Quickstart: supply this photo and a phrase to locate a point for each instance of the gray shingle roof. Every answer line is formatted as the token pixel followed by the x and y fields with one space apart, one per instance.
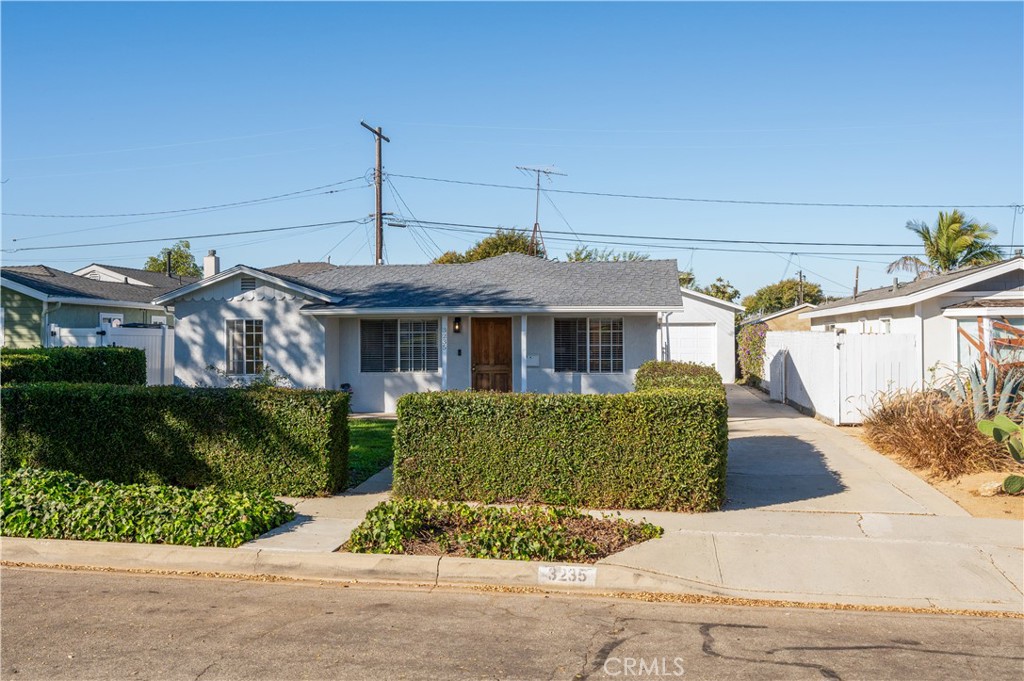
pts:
pixel 909 288
pixel 299 269
pixel 53 282
pixel 510 280
pixel 158 280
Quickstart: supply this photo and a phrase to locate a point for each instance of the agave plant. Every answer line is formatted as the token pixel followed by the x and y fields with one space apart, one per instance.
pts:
pixel 997 392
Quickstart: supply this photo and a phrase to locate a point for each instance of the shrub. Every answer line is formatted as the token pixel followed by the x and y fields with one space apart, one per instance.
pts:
pixel 653 375
pixel 438 528
pixel 929 430
pixel 59 505
pixel 750 341
pixel 659 449
pixel 125 366
pixel 290 442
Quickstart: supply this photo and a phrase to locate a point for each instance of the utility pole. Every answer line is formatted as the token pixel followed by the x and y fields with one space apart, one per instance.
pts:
pixel 378 179
pixel 800 290
pixel 537 239
pixel 856 281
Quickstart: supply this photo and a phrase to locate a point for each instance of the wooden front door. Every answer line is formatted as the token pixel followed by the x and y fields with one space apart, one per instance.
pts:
pixel 492 354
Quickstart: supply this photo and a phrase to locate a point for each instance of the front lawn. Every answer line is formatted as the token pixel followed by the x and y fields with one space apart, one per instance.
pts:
pixel 370 448
pixel 437 528
pixel 43 504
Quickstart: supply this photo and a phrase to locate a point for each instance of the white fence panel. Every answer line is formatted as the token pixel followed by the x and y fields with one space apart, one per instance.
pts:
pixel 837 376
pixel 874 364
pixel 157 343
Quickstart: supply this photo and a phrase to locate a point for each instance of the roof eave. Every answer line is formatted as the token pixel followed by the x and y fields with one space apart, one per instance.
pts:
pixel 244 269
pixel 924 294
pixel 484 309
pixel 710 299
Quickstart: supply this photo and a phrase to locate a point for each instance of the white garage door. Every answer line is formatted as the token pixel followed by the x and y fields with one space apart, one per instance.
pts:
pixel 693 343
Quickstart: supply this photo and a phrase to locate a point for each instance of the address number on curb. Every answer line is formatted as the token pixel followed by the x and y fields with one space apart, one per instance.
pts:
pixel 567 575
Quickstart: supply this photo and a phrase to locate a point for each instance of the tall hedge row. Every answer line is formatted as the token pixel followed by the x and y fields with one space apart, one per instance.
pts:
pixel 654 374
pixel 287 442
pixel 125 366
pixel 658 449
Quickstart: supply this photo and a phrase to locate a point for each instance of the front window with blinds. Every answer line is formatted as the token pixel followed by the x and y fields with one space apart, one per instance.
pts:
pixel 245 346
pixel 398 345
pixel 589 345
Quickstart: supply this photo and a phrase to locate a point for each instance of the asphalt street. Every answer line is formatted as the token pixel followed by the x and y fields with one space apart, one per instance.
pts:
pixel 95 625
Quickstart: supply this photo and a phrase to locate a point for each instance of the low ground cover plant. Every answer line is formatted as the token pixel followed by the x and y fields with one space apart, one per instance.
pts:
pixel 371 448
pixel 286 442
pixel 125 366
pixel 657 449
pixel 654 374
pixel 435 528
pixel 45 504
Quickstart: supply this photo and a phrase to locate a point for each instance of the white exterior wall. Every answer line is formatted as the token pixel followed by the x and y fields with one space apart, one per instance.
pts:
pixel 379 391
pixel 700 311
pixel 293 344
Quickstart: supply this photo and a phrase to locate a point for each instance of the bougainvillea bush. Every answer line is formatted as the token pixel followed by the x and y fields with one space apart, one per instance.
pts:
pixel 751 350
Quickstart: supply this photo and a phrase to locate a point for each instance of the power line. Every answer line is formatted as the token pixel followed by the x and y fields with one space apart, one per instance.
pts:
pixel 616 240
pixel 744 202
pixel 179 238
pixel 173 217
pixel 848 244
pixel 185 210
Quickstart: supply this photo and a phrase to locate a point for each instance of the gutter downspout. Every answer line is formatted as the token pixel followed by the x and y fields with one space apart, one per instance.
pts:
pixel 44 338
pixel 665 337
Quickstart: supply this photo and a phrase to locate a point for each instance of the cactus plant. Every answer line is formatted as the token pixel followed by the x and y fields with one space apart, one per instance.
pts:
pixel 1002 429
pixel 1014 484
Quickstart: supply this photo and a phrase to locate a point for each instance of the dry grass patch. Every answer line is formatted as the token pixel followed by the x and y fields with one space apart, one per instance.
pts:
pixel 929 430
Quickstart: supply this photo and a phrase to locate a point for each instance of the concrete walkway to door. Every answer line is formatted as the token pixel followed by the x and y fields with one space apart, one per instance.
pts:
pixel 813 514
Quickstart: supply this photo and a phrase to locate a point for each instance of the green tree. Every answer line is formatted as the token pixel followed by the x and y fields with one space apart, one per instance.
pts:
pixel 589 254
pixel 779 296
pixel 720 288
pixel 501 242
pixel 183 263
pixel 956 241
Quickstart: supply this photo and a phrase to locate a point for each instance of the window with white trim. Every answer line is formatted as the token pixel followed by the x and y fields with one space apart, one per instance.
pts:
pixel 589 345
pixel 245 346
pixel 388 345
pixel 111 319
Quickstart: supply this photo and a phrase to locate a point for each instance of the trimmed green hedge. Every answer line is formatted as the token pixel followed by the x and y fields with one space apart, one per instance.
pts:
pixel 60 505
pixel 659 449
pixel 124 366
pixel 287 442
pixel 653 375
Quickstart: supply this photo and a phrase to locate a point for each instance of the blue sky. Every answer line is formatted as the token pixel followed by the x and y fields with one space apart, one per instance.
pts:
pixel 139 107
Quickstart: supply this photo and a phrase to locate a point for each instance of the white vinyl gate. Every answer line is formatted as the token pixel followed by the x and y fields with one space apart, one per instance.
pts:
pixel 838 375
pixel 158 344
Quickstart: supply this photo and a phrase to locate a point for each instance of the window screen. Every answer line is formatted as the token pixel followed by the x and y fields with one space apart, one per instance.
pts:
pixel 605 346
pixel 245 346
pixel 378 345
pixel 571 344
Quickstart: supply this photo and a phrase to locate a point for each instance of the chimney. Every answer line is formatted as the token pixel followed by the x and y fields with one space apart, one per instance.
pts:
pixel 895 283
pixel 211 264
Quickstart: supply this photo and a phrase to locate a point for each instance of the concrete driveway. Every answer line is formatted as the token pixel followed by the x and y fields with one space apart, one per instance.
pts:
pixel 813 514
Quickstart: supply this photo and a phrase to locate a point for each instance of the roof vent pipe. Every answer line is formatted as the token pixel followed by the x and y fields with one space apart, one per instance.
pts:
pixel 895 283
pixel 211 264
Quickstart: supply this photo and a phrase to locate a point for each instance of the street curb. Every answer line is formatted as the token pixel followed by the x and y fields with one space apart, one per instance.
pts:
pixel 443 571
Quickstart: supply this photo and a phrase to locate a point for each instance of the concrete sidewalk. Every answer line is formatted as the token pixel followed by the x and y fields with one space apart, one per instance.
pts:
pixel 812 515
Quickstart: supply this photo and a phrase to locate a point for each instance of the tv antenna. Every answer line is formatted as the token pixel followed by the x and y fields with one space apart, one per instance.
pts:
pixel 537 239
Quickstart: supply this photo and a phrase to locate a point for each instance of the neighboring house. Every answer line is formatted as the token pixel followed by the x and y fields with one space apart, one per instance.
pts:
pixel 509 323
pixel 704 332
pixel 36 297
pixel 938 312
pixel 789 319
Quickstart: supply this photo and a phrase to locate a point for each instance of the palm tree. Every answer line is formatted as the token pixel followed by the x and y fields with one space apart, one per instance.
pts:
pixel 956 241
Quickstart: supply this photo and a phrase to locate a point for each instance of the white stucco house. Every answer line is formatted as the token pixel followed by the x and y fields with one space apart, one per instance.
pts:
pixel 509 323
pixel 703 332
pixel 939 312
